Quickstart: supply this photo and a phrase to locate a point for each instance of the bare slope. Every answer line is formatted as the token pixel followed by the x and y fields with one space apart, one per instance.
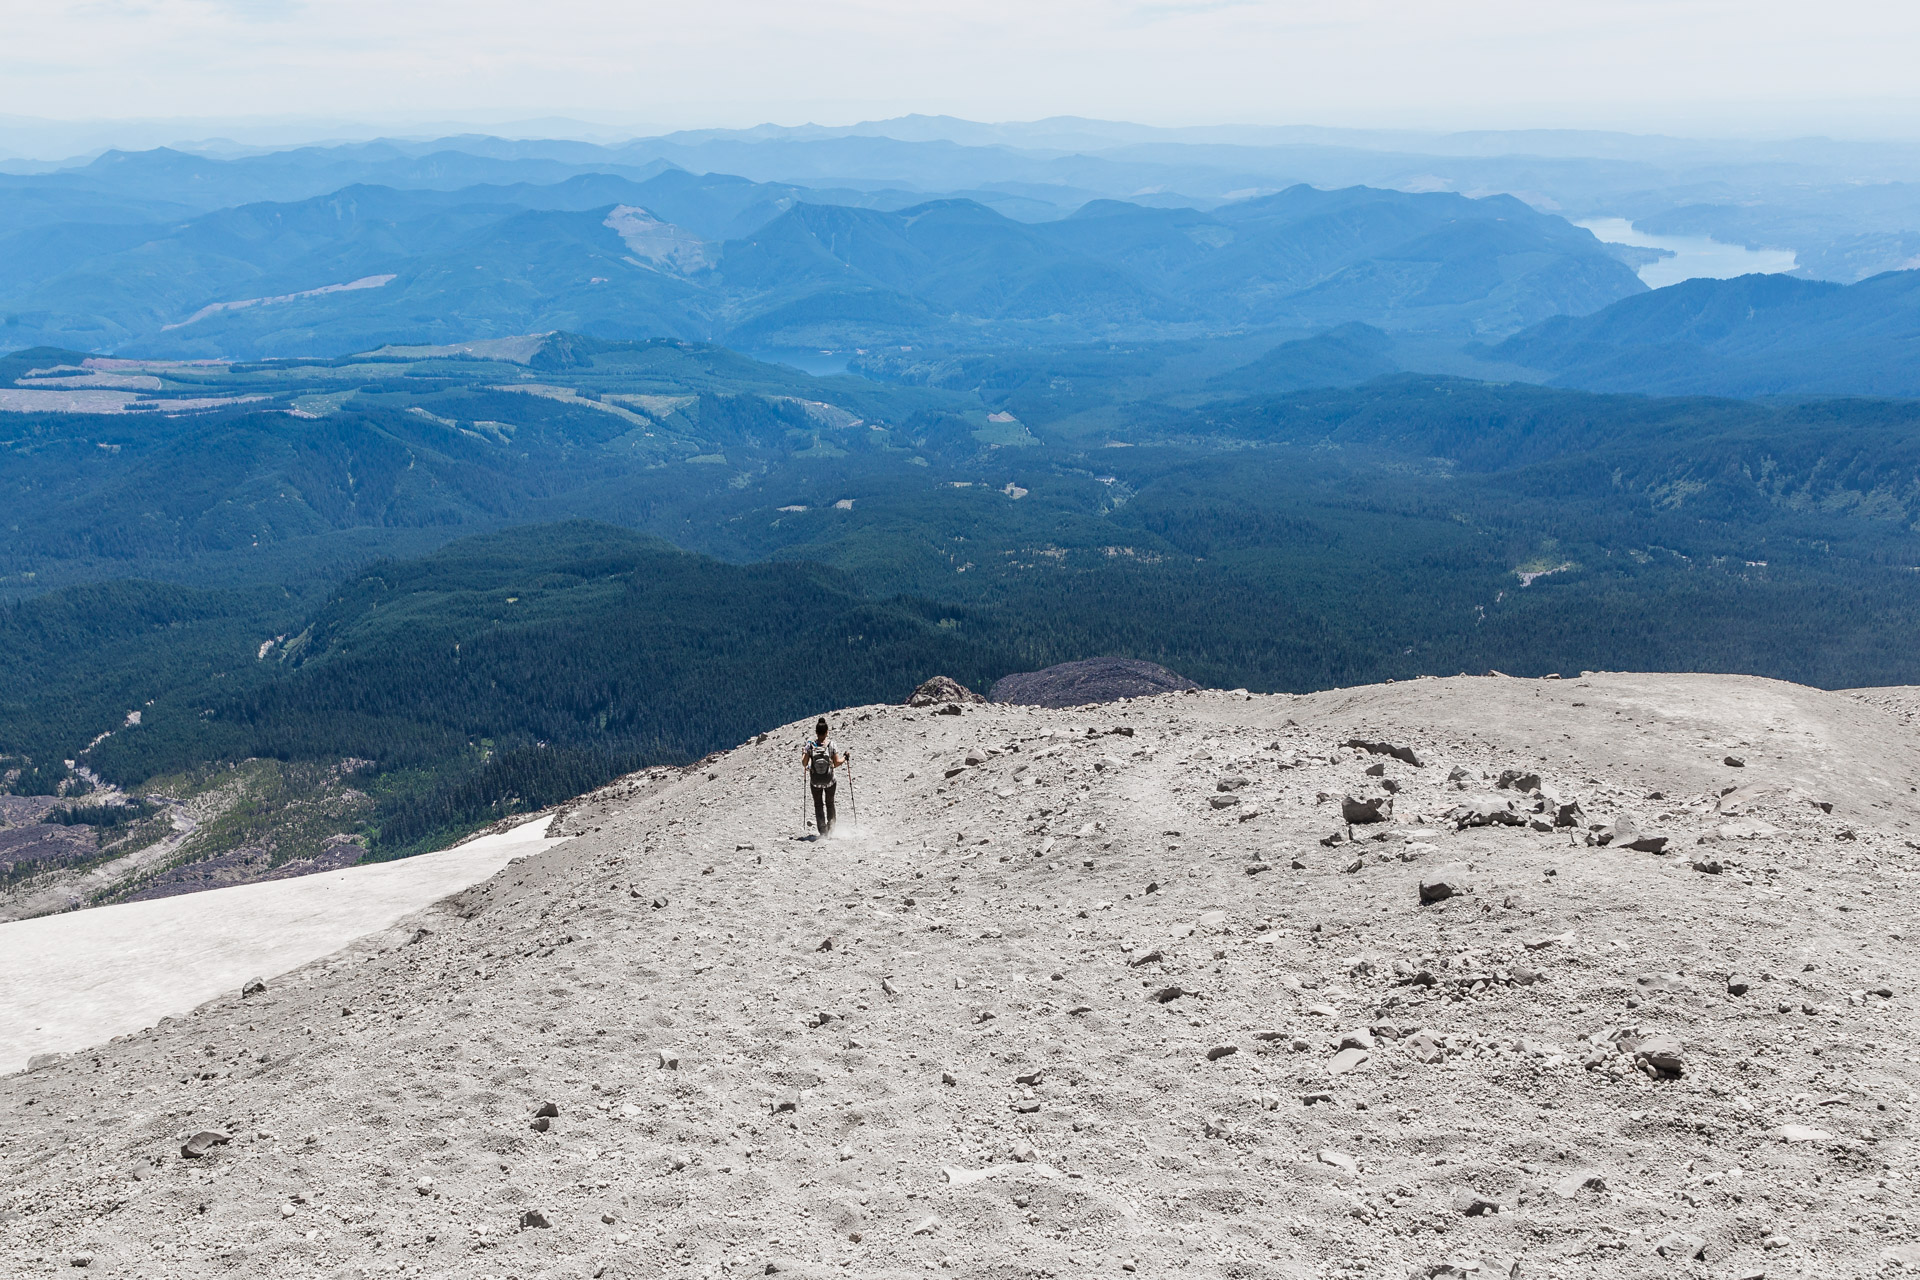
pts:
pixel 986 1028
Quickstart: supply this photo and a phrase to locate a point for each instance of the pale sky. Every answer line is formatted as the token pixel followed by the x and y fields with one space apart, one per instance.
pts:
pixel 1765 67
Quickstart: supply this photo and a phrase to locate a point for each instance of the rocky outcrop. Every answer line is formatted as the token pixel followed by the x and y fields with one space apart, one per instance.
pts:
pixel 942 690
pixel 1091 680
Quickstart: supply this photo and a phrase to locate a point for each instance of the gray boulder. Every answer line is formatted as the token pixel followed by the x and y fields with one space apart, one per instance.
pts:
pixel 1362 809
pixel 1375 746
pixel 1485 811
pixel 203 1142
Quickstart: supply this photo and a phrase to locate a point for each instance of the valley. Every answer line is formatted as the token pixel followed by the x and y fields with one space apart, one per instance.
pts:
pixel 465 583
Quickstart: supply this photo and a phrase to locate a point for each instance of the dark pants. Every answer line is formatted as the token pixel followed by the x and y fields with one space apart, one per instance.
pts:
pixel 823 809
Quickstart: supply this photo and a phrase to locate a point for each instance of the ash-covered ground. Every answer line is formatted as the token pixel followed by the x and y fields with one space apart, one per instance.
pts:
pixel 1113 991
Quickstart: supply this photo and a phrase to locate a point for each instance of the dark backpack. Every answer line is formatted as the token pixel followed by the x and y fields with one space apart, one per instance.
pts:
pixel 820 763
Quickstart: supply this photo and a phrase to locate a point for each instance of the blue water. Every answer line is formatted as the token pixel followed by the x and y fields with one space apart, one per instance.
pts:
pixel 816 362
pixel 1693 257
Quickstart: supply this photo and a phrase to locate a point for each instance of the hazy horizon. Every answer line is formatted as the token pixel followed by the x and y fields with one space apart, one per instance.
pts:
pixel 50 140
pixel 1695 68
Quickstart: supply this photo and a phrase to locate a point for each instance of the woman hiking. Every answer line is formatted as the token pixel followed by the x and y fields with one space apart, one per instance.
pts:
pixel 819 759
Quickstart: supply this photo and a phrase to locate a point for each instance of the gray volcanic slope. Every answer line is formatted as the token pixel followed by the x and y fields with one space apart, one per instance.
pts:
pixel 1079 1010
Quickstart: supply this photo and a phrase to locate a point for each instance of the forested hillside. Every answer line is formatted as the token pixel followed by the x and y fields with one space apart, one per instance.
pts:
pixel 514 670
pixel 1751 336
pixel 864 536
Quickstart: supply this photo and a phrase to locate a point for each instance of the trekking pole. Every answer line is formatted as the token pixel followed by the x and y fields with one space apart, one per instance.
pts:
pixel 806 819
pixel 853 810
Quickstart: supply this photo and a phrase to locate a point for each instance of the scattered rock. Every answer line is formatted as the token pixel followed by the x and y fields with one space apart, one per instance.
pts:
pixel 1348 1060
pixel 1357 810
pixel 1220 1051
pixel 1574 1183
pixel 1440 886
pixel 1663 1054
pixel 967 1177
pixel 1223 802
pixel 1621 834
pixel 1425 1048
pixel 1516 780
pixel 1801 1133
pixel 1471 1204
pixel 1739 985
pixel 1734 762
pixel 1340 1160
pixel 1742 829
pixel 1381 748
pixel 1485 811
pixel 534 1218
pixel 254 987
pixel 203 1142
pixel 1905 1256
pixel 1679 1246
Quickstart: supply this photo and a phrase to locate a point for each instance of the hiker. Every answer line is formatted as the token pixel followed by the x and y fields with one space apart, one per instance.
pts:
pixel 819 759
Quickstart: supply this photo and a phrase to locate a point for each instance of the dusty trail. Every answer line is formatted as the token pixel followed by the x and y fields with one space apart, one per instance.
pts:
pixel 934 1043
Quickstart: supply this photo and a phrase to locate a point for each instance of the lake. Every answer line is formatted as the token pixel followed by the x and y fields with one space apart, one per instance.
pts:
pixel 1693 256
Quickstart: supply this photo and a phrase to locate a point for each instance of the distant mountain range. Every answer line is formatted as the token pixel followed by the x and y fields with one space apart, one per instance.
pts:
pixel 765 264
pixel 1848 209
pixel 915 248
pixel 1752 336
